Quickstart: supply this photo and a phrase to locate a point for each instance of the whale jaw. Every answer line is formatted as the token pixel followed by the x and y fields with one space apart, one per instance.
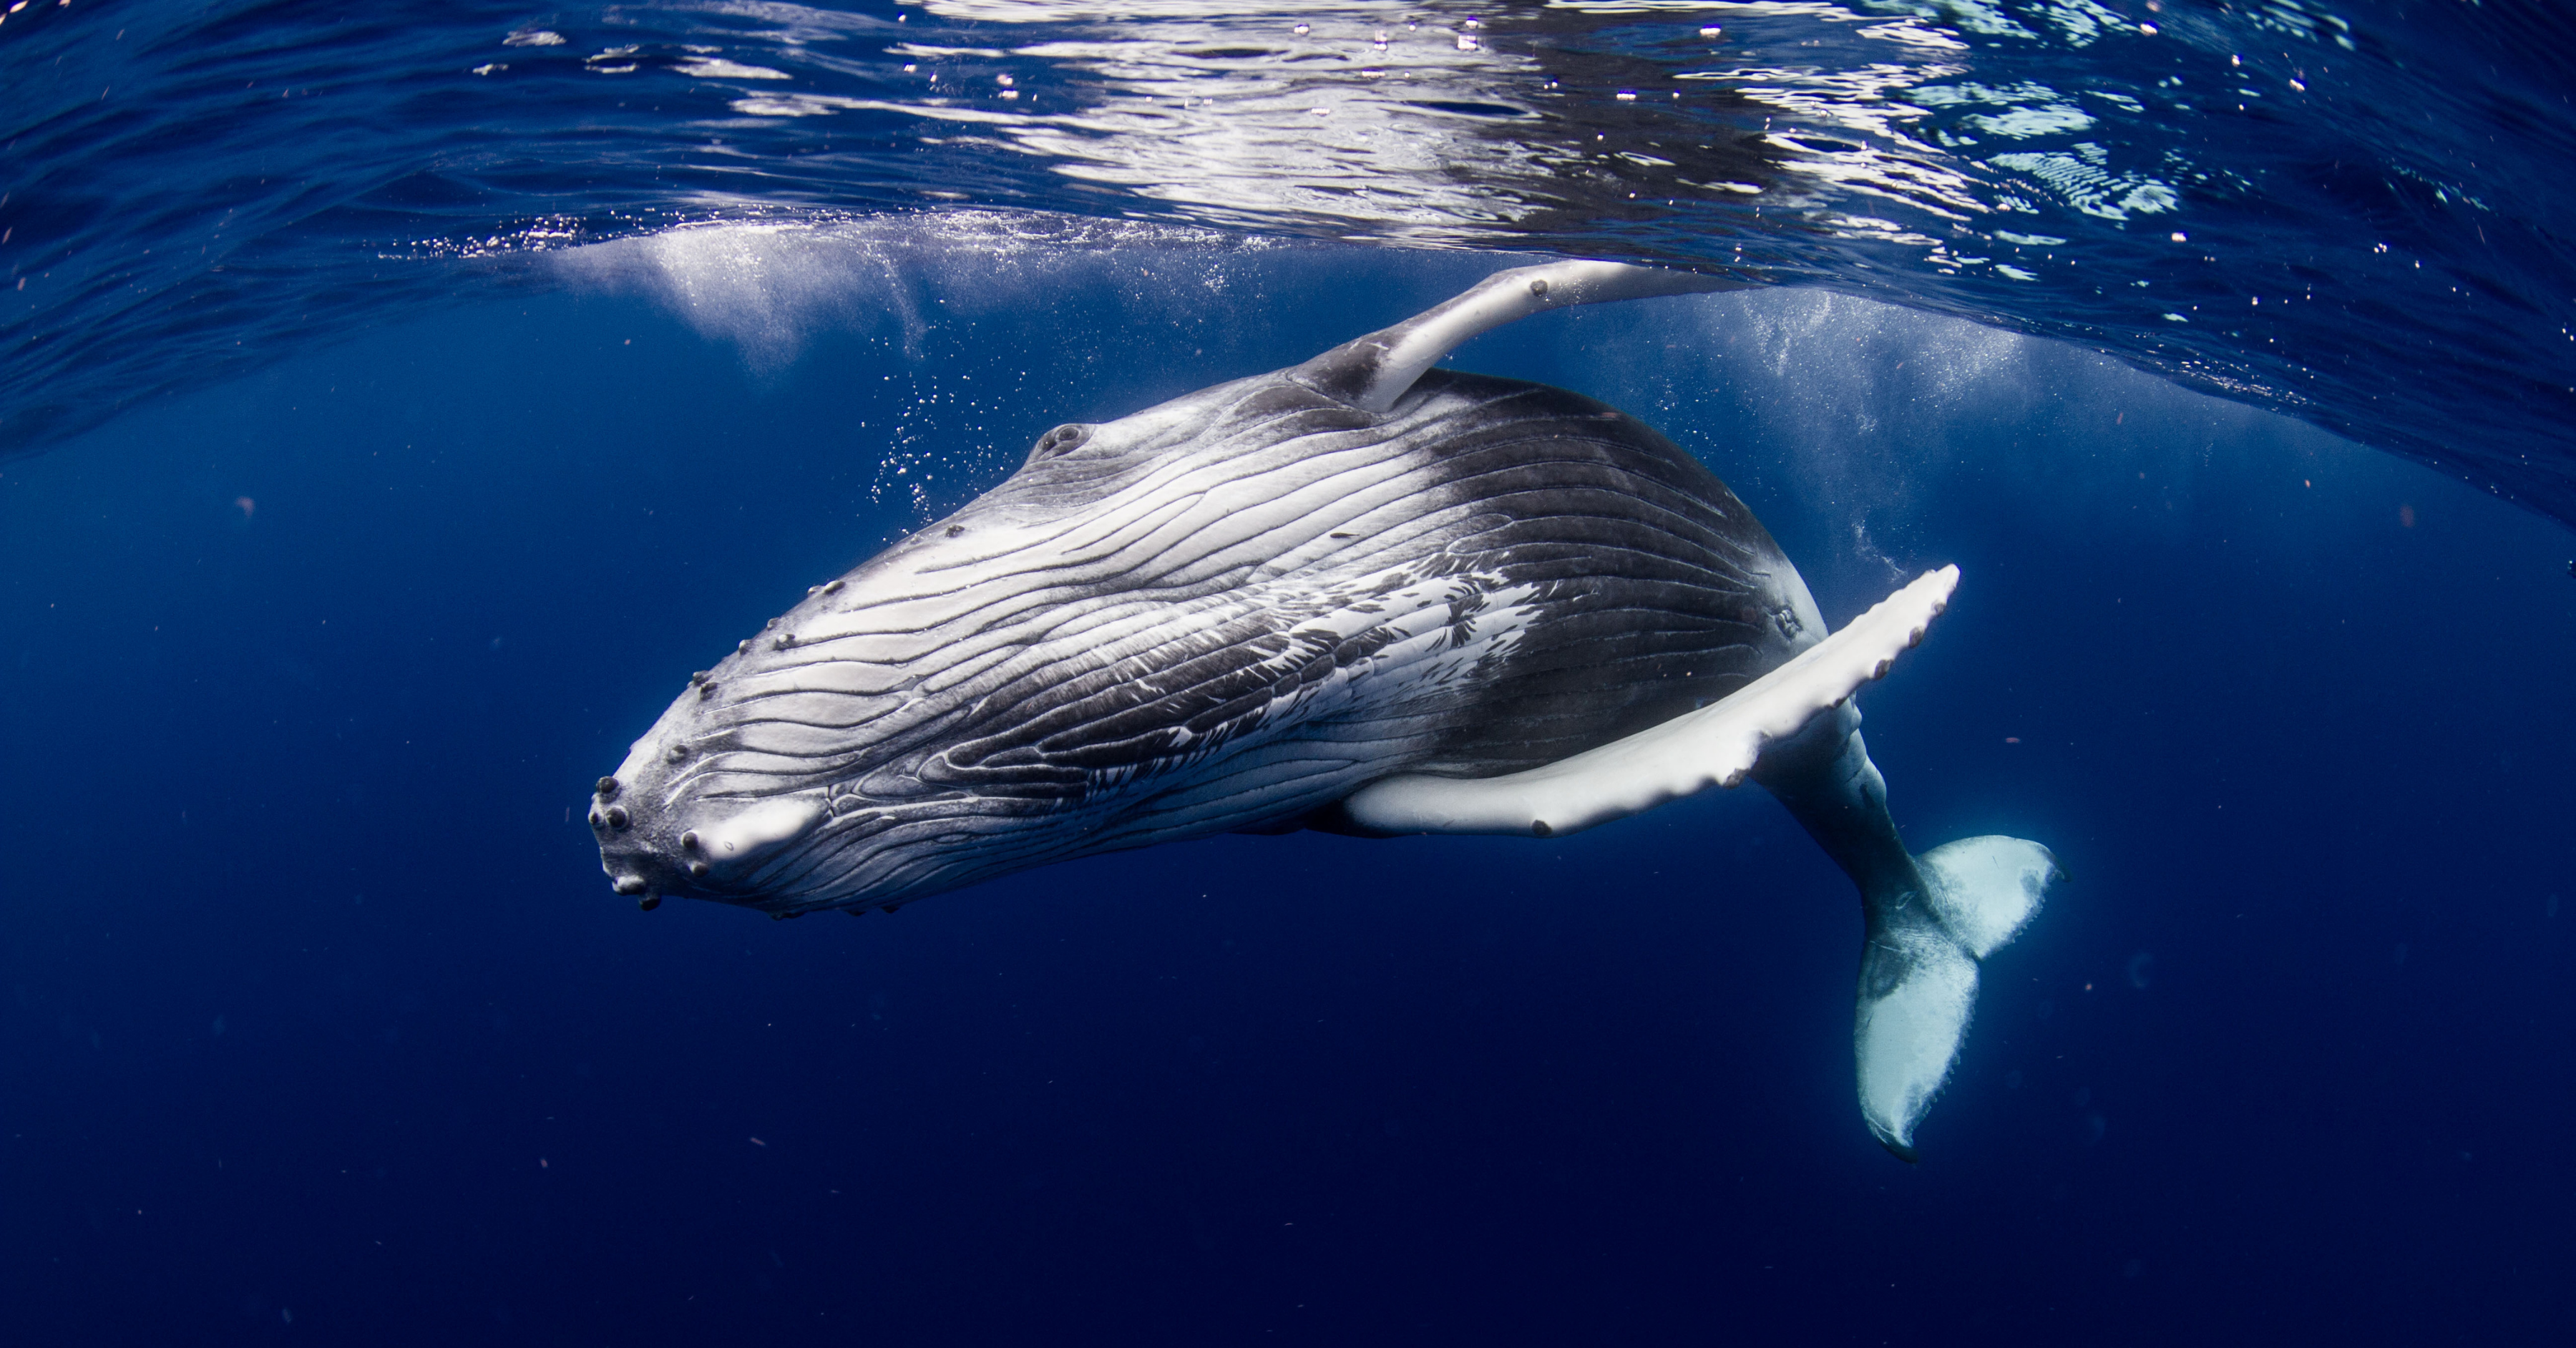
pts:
pixel 658 838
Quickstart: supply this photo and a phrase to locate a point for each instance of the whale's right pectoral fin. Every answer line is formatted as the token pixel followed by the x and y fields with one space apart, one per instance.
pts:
pixel 1718 745
pixel 1918 971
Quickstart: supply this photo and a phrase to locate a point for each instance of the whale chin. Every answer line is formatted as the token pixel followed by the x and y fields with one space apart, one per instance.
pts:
pixel 655 846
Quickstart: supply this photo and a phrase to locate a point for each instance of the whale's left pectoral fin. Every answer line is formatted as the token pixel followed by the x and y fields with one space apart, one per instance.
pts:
pixel 1715 746
pixel 1374 371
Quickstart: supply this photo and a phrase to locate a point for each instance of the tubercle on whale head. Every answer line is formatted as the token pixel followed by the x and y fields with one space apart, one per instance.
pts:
pixel 665 839
pixel 666 825
pixel 738 780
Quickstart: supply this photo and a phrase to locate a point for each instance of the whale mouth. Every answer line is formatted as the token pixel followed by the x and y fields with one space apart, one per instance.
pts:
pixel 701 849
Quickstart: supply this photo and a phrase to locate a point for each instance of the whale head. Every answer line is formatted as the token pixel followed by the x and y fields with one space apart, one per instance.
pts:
pixel 883 738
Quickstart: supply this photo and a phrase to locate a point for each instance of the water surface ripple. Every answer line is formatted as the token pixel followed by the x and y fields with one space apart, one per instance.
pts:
pixel 2354 216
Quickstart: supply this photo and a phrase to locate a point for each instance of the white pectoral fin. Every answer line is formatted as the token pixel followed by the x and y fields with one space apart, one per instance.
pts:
pixel 1374 371
pixel 1714 746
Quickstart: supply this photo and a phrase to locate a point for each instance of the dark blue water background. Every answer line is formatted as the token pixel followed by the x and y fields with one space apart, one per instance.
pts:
pixel 318 1006
pixel 408 433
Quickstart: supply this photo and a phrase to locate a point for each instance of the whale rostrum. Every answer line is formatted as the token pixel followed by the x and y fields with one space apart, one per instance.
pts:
pixel 1362 594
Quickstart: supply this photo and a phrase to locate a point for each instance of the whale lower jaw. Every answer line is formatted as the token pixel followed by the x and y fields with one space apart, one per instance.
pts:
pixel 706 850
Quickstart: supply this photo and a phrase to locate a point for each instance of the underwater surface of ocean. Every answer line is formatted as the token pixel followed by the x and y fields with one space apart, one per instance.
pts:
pixel 399 403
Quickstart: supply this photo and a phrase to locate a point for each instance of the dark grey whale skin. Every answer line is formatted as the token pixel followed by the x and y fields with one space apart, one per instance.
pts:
pixel 1251 667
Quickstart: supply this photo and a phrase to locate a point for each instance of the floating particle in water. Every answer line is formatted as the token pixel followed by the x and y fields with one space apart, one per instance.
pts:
pixel 2142 968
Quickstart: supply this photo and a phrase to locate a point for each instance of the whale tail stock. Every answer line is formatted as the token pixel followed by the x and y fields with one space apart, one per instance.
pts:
pixel 1929 919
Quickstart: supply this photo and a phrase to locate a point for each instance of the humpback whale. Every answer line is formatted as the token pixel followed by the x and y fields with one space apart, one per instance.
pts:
pixel 1361 594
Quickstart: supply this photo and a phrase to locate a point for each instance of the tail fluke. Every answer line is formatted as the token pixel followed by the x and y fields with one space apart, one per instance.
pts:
pixel 1794 730
pixel 1918 971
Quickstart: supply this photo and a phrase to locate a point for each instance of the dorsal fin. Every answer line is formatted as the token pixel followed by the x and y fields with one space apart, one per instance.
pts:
pixel 1372 372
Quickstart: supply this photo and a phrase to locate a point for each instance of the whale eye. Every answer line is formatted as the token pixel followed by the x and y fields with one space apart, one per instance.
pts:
pixel 1062 440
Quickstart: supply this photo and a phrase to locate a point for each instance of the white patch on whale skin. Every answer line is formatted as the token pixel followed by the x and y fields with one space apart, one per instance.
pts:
pixel 754 829
pixel 1425 660
pixel 1320 740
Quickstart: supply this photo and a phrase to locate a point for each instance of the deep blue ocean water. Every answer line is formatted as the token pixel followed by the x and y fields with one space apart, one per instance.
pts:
pixel 337 560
